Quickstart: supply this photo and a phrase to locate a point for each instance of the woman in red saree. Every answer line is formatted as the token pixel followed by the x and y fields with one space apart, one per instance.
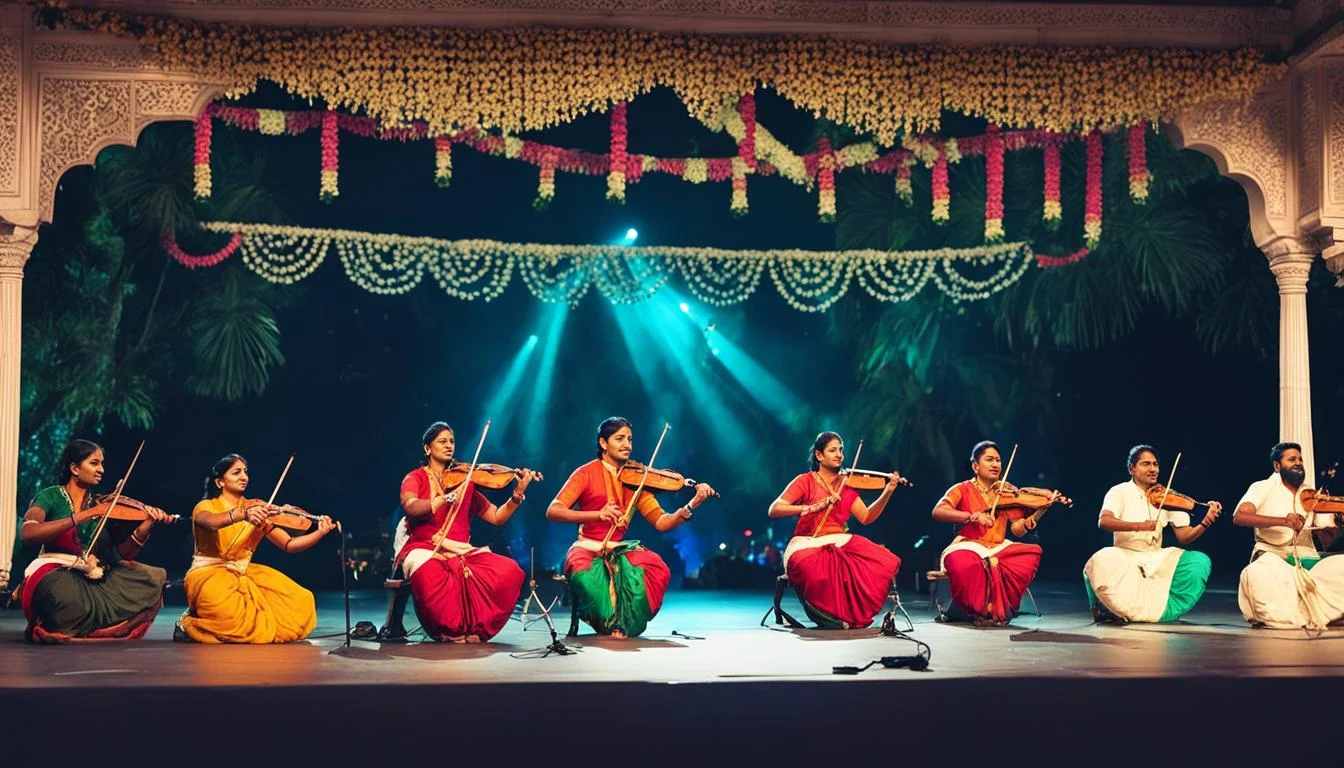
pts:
pixel 987 581
pixel 118 599
pixel 462 594
pixel 841 578
pixel 618 586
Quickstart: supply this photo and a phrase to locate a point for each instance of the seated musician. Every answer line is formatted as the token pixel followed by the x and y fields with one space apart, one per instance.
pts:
pixel 987 572
pixel 842 579
pixel 109 596
pixel 462 593
pixel 231 599
pixel 1287 584
pixel 617 585
pixel 1137 579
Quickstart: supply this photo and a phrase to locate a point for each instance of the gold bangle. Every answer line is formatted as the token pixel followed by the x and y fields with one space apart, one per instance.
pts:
pixel 137 540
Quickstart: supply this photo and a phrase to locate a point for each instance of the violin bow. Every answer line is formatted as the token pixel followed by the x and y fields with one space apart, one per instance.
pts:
pixel 115 498
pixel 462 495
pixel 835 495
pixel 1166 491
pixel 1003 482
pixel 629 509
pixel 269 502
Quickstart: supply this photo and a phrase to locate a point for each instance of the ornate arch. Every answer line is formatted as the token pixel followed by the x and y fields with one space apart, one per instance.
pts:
pixel 1249 143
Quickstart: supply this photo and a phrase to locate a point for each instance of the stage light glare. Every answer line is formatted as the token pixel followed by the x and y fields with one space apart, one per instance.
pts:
pixel 532 339
pixel 722 546
pixel 631 235
pixel 714 351
pixel 684 307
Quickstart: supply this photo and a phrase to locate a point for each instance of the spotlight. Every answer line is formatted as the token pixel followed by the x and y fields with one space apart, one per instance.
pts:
pixel 532 339
pixel 722 546
pixel 684 307
pixel 714 351
pixel 631 235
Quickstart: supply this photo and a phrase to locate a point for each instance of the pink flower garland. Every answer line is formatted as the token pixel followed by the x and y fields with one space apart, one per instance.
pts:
pixel 942 196
pixel 1054 210
pixel 619 137
pixel 330 157
pixel 443 161
pixel 196 262
pixel 746 149
pixel 993 186
pixel 1051 262
pixel 1092 212
pixel 1138 163
pixel 201 153
pixel 826 162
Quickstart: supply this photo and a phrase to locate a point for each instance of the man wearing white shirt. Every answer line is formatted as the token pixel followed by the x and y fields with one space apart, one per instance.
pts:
pixel 1288 585
pixel 1138 579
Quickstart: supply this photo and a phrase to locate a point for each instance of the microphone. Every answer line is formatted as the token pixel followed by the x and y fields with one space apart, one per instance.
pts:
pixel 917 663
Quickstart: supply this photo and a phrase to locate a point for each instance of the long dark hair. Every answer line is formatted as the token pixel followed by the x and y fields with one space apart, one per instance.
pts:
pixel 823 440
pixel 76 451
pixel 608 428
pixel 212 488
pixel 431 434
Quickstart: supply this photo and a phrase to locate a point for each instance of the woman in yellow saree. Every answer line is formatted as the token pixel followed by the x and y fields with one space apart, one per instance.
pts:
pixel 230 599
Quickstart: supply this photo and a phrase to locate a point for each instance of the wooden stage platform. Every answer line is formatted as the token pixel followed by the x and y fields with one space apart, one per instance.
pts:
pixel 706 685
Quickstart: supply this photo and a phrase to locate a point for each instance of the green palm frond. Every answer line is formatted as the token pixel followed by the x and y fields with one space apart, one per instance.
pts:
pixel 236 341
pixel 150 185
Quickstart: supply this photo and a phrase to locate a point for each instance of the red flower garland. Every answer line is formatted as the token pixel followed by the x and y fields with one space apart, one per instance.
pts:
pixel 1051 262
pixel 905 190
pixel 202 181
pixel 1092 213
pixel 1138 163
pixel 746 149
pixel 545 183
pixel 993 185
pixel 738 204
pixel 196 262
pixel 619 137
pixel 330 158
pixel 1054 210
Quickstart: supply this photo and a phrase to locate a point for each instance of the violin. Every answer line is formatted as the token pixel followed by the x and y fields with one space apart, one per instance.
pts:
pixel 1034 500
pixel 1316 502
pixel 126 508
pixel 490 476
pixel 1161 498
pixel 868 480
pixel 632 475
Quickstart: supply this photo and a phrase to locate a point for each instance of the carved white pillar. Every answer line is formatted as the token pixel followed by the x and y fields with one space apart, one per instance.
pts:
pixel 15 247
pixel 1290 271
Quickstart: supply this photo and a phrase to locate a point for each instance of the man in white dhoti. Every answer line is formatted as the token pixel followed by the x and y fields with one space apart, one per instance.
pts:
pixel 1138 579
pixel 1288 585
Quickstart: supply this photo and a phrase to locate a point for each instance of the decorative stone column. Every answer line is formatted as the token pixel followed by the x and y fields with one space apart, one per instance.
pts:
pixel 16 243
pixel 1291 269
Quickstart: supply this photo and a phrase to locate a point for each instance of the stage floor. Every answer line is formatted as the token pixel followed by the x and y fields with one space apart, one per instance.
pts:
pixel 1050 670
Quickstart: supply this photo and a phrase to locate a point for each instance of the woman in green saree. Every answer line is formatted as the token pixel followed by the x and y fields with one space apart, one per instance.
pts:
pixel 109 597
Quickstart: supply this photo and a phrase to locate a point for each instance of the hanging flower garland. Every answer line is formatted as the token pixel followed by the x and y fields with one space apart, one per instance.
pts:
pixel 545 183
pixel 746 146
pixel 738 204
pixel 443 161
pixel 1053 212
pixel 1092 202
pixel 993 186
pixel 1138 163
pixel 942 195
pixel 825 161
pixel 189 261
pixel 201 153
pixel 619 138
pixel 905 190
pixel 330 158
pixel 809 281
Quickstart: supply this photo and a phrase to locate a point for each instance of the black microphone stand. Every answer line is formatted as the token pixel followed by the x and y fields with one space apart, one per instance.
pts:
pixel 556 647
